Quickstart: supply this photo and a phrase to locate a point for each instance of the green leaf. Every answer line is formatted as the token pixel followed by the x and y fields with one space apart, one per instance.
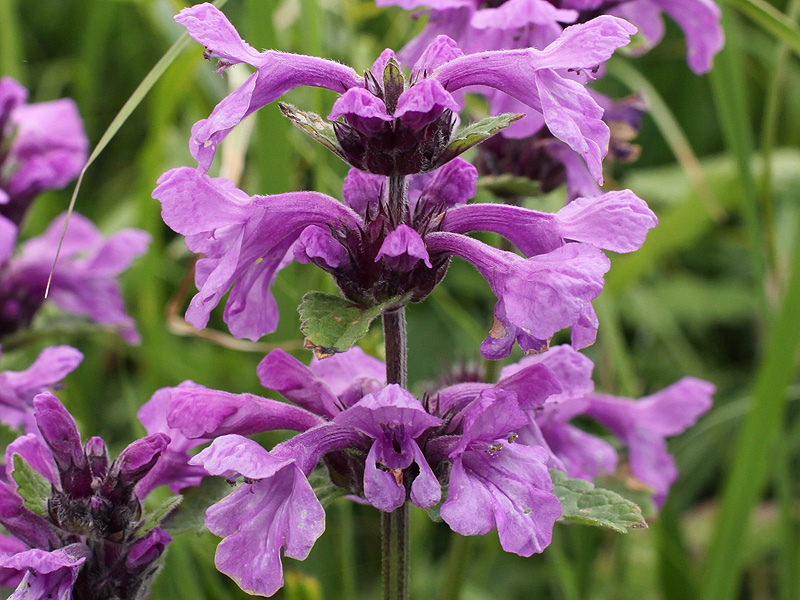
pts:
pixel 153 519
pixel 315 126
pixel 582 503
pixel 190 515
pixel 474 134
pixel 507 185
pixel 324 489
pixel 332 324
pixel 393 84
pixel 33 487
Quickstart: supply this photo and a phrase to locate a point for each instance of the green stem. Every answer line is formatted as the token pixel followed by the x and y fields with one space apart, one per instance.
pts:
pixel 394 525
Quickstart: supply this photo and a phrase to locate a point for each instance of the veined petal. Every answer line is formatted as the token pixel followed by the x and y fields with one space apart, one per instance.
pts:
pixel 205 413
pixel 423 103
pixel 539 295
pixel 546 293
pixel 441 50
pixel 586 45
pixel 392 406
pixel 276 74
pixel 495 482
pixel 616 221
pixel 572 369
pixel 317 244
pixel 381 489
pixel 361 109
pixel 402 249
pixel 644 426
pixel 244 241
pixel 49 574
pixel 256 520
pixel 343 370
pixel 527 75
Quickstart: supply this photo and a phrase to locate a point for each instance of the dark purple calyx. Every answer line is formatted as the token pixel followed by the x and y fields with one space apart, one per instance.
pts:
pixel 371 276
pixel 391 126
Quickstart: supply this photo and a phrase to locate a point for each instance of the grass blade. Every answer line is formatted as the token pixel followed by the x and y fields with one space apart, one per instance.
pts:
pixel 772 20
pixel 754 453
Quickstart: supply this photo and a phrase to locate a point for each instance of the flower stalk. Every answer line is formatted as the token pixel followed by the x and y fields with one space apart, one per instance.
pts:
pixel 394 525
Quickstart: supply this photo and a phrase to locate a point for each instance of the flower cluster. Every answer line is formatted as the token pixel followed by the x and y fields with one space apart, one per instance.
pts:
pixel 85 538
pixel 527 147
pixel 43 146
pixel 479 452
pixel 384 109
pixel 489 446
pixel 496 25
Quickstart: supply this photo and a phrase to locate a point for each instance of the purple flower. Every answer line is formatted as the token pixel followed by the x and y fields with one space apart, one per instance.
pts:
pixel 275 507
pixel 495 482
pixel 18 388
pixel 643 426
pixel 173 468
pixel 42 146
pixel 699 19
pixel 537 296
pixel 578 453
pixel 394 419
pixel 244 241
pixel 417 116
pixel 47 574
pixel 92 503
pixel 84 281
pixel 373 258
pixel 523 23
pixel 327 386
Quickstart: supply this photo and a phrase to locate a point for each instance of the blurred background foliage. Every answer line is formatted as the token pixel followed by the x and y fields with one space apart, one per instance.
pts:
pixel 714 292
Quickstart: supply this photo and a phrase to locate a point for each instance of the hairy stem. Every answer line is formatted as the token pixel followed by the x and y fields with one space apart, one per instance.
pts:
pixel 394 525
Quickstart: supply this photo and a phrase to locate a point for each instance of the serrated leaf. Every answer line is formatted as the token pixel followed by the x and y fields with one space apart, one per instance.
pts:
pixel 582 502
pixel 631 489
pixel 474 134
pixel 504 186
pixel 31 486
pixel 153 519
pixel 332 324
pixel 324 489
pixel 315 126
pixel 191 514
